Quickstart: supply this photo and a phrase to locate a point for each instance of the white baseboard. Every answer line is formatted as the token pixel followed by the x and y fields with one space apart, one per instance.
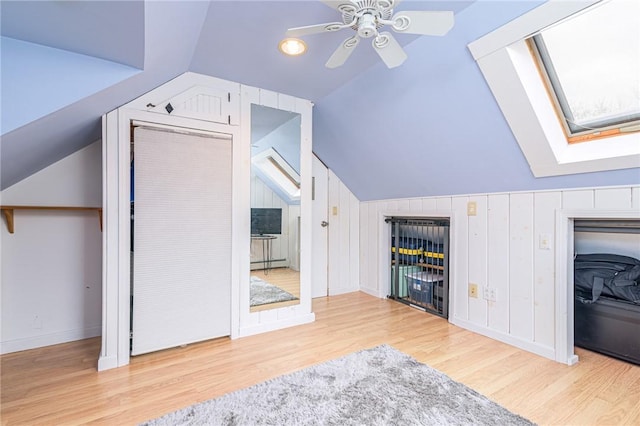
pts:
pixel 536 348
pixel 26 343
pixel 371 291
pixel 337 291
pixel 276 325
pixel 107 362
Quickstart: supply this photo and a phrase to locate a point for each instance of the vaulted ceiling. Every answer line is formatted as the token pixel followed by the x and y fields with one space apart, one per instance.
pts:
pixel 65 63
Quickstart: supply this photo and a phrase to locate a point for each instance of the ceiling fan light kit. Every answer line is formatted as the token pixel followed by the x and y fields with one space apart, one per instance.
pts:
pixel 367 17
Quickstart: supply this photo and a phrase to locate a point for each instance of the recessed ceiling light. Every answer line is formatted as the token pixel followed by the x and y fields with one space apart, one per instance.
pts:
pixel 292 46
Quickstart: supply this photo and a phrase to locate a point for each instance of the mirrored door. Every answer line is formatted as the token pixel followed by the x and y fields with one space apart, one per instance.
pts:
pixel 275 208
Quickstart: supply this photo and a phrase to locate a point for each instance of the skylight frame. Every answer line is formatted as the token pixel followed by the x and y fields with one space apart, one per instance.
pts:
pixel 574 131
pixel 510 70
pixel 279 171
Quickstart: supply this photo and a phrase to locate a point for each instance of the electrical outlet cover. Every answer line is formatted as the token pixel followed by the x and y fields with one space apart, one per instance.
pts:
pixel 473 290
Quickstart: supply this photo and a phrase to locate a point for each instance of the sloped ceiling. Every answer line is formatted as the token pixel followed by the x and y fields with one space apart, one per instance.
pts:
pixel 65 63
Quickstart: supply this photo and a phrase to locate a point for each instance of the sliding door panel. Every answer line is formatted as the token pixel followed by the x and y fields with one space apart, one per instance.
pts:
pixel 181 280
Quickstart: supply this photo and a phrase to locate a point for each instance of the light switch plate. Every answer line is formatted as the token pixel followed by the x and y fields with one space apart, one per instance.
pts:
pixel 471 208
pixel 544 242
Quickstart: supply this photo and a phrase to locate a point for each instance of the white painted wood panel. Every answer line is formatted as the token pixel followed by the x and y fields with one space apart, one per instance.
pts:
pixel 372 251
pixel 354 244
pixel 343 238
pixel 521 266
pixel 286 102
pixel 545 206
pixel 578 199
pixel 294 237
pixel 363 246
pixel 459 258
pixel 443 203
pixel 403 205
pixel 335 240
pixel 390 206
pixel 429 204
pixel 498 261
pixel 415 205
pixel 200 102
pixel 477 255
pixel 613 198
pixel 527 279
pixel 268 98
pixel 320 233
pixel 342 286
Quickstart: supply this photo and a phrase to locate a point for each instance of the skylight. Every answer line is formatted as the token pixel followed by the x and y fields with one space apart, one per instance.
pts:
pixel 513 75
pixel 278 171
pixel 592 64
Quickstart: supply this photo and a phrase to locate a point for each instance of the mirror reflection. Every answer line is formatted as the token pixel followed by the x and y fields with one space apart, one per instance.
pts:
pixel 275 208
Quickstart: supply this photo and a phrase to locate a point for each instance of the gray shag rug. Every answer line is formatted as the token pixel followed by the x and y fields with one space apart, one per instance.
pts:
pixel 379 386
pixel 263 292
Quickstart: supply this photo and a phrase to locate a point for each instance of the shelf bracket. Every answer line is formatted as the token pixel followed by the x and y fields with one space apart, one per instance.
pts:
pixel 8 215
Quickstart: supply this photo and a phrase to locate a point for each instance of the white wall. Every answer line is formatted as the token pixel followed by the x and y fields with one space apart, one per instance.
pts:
pixel 344 234
pixel 501 247
pixel 52 263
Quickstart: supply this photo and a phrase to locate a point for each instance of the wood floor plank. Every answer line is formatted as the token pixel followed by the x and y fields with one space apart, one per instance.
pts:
pixel 60 385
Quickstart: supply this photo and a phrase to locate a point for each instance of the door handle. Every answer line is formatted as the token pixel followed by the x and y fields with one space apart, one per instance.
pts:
pixel 324 223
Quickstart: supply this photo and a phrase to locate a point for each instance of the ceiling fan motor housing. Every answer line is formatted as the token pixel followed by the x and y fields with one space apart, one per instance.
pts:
pixel 367 15
pixel 367 26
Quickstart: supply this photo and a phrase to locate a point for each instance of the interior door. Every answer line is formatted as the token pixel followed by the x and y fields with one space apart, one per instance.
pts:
pixel 320 234
pixel 181 283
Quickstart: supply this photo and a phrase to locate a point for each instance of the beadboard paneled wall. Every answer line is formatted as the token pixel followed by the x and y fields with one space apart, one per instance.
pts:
pixel 344 247
pixel 509 245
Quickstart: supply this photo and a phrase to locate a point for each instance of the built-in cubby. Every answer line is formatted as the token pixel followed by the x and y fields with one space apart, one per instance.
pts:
pixel 607 325
pixel 420 263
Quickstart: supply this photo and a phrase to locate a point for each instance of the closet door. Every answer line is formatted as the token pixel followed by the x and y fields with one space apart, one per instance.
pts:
pixel 181 283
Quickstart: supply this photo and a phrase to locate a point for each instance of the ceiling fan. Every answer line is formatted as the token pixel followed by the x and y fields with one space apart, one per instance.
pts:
pixel 367 17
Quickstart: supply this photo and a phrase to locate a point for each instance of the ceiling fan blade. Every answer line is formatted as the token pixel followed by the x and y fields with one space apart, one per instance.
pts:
pixel 343 52
pixel 423 22
pixel 339 5
pixel 391 3
pixel 314 29
pixel 389 49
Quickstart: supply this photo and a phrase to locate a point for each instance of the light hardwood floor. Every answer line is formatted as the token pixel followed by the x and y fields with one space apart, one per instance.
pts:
pixel 285 278
pixel 59 385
